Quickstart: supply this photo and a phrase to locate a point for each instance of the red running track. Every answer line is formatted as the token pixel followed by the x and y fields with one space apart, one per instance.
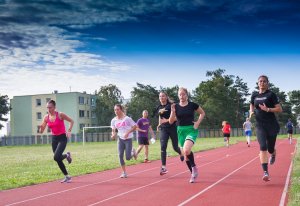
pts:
pixel 227 176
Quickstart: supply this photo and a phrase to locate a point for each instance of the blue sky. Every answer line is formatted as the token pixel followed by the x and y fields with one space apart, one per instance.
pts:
pixel 82 45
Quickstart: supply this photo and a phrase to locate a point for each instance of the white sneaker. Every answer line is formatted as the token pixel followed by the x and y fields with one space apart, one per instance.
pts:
pixel 67 179
pixel 194 174
pixel 266 176
pixel 123 175
pixel 192 179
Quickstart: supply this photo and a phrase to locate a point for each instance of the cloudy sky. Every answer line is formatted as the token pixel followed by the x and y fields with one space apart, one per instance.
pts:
pixel 82 45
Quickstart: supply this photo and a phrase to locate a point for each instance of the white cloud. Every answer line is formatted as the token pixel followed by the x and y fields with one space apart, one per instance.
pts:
pixel 51 62
pixel 28 82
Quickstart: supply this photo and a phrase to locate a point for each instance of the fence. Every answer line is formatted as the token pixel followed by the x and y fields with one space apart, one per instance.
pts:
pixel 105 136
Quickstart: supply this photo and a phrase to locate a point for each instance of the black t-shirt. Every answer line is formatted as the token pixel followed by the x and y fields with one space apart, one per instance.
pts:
pixel 268 98
pixel 164 111
pixel 186 115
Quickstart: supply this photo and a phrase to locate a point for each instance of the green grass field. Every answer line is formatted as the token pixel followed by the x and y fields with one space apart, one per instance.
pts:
pixel 28 165
pixel 294 191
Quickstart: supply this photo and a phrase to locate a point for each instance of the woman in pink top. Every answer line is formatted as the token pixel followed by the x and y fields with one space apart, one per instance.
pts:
pixel 55 121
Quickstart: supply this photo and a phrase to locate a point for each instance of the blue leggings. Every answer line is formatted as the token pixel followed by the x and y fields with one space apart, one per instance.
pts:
pixel 124 146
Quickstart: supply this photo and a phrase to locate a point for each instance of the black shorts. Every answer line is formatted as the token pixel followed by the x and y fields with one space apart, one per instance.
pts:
pixel 227 135
pixel 290 131
pixel 143 141
pixel 266 137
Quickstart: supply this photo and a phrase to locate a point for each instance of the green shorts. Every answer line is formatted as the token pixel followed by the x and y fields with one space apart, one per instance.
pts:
pixel 186 133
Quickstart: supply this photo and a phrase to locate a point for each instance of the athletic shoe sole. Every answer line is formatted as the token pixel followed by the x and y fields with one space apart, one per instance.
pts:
pixel 69 157
pixel 266 178
pixel 163 172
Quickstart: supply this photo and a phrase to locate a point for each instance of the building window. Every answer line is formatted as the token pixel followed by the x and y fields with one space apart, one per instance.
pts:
pixel 88 114
pixel 38 129
pixel 93 102
pixel 81 100
pixel 48 129
pixel 38 102
pixel 81 126
pixel 93 114
pixel 38 115
pixel 48 99
pixel 81 113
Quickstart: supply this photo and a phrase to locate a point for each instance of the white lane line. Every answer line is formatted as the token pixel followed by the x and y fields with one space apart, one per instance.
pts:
pixel 75 188
pixel 225 177
pixel 212 185
pixel 286 186
pixel 138 188
pixel 107 171
pixel 83 186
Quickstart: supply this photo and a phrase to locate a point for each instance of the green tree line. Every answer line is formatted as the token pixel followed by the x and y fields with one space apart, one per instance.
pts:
pixel 222 96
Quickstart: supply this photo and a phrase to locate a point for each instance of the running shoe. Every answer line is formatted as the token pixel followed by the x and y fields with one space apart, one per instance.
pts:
pixel 192 179
pixel 163 171
pixel 123 175
pixel 266 176
pixel 194 174
pixel 146 161
pixel 67 179
pixel 69 157
pixel 272 158
pixel 133 153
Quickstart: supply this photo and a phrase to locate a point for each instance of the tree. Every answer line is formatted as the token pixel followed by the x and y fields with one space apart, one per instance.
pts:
pixel 4 108
pixel 223 98
pixel 240 91
pixel 108 96
pixel 143 97
pixel 294 97
pixel 286 106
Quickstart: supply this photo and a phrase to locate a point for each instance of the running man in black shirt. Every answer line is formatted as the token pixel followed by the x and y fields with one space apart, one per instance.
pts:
pixel 187 129
pixel 264 104
pixel 166 130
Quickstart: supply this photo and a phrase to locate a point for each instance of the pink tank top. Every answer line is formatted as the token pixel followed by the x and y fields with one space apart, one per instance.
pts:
pixel 57 126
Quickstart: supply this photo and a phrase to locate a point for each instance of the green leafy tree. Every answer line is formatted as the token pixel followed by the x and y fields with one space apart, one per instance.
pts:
pixel 240 92
pixel 4 108
pixel 286 106
pixel 143 97
pixel 223 98
pixel 294 97
pixel 107 97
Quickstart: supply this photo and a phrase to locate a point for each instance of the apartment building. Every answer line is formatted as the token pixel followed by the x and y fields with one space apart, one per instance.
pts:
pixel 28 111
